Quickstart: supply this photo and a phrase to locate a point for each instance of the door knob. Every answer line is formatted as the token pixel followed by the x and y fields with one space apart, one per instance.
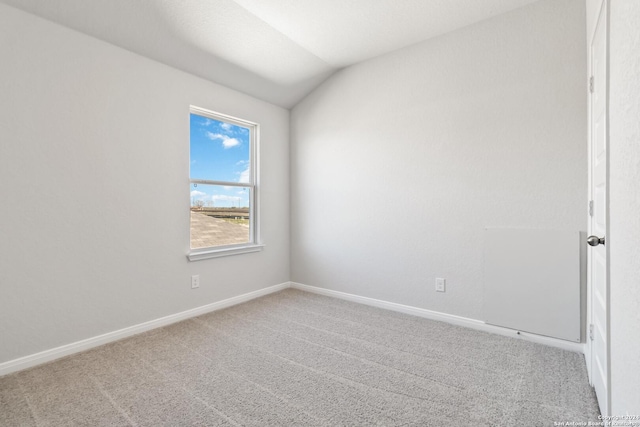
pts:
pixel 595 240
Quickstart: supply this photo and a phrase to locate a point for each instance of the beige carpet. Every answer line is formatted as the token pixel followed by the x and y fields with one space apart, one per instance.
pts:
pixel 300 359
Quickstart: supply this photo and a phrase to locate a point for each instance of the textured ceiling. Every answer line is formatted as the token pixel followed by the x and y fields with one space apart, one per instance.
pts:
pixel 275 50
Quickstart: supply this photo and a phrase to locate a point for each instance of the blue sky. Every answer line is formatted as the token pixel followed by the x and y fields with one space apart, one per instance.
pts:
pixel 219 152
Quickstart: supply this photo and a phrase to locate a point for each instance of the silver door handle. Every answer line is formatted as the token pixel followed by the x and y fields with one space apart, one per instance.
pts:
pixel 595 240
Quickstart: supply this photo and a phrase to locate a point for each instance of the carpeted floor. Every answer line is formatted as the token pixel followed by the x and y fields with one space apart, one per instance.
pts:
pixel 300 359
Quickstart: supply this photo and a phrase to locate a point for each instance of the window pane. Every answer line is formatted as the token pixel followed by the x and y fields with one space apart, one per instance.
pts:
pixel 219 150
pixel 219 215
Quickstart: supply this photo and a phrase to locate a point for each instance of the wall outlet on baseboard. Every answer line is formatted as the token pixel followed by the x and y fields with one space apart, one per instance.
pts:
pixel 441 284
pixel 195 281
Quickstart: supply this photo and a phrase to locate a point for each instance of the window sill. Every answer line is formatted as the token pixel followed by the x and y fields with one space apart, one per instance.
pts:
pixel 220 252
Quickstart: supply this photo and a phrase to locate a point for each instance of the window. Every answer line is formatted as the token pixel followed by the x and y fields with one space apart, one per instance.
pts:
pixel 222 188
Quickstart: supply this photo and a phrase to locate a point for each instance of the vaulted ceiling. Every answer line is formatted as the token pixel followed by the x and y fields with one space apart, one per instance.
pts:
pixel 275 50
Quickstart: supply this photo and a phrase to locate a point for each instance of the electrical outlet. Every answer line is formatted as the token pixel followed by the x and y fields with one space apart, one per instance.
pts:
pixel 195 281
pixel 441 284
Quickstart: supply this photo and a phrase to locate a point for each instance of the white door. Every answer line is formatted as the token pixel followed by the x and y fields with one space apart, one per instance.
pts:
pixel 598 278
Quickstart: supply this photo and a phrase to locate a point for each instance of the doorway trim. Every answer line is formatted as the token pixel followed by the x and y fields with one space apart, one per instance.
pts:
pixel 601 12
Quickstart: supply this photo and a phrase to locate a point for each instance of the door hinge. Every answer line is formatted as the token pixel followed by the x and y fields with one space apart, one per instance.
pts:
pixel 590 207
pixel 591 84
pixel 591 332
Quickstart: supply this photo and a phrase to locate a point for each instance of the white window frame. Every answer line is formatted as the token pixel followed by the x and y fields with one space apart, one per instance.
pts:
pixel 254 244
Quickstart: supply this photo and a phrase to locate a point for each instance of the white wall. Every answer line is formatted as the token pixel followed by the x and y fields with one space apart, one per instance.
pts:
pixel 624 239
pixel 400 162
pixel 94 219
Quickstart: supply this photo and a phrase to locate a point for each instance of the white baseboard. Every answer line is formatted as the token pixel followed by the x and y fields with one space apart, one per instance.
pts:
pixel 76 347
pixel 443 317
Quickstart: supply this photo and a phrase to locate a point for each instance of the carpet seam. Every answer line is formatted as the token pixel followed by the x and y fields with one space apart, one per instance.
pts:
pixel 338 378
pixel 381 329
pixel 190 393
pixel 112 400
pixel 367 361
pixel 36 418
pixel 276 395
pixel 468 361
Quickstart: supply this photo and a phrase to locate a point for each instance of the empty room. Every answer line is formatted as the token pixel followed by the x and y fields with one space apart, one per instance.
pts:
pixel 319 213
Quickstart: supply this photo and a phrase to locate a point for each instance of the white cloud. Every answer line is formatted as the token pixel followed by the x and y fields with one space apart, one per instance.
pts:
pixel 242 162
pixel 225 126
pixel 224 197
pixel 230 142
pixel 196 193
pixel 227 141
pixel 244 175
